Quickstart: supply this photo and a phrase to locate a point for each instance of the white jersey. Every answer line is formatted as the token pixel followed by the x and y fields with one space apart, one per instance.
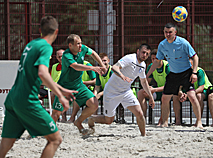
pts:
pixel 130 68
pixel 118 91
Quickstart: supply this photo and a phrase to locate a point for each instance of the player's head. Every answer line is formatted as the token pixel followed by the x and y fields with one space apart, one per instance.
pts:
pixel 170 31
pixel 59 54
pixel 74 43
pixel 143 52
pixel 49 26
pixel 153 54
pixel 104 59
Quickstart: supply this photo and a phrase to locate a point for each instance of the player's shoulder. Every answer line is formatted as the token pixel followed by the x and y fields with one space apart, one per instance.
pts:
pixel 131 57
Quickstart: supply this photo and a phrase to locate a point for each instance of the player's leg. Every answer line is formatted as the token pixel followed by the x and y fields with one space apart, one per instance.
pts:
pixel 74 112
pixel 142 100
pixel 176 107
pixel 92 106
pixel 165 109
pixel 196 107
pixel 6 145
pixel 201 97
pixel 53 142
pixel 210 100
pixel 57 109
pixel 136 110
pixel 110 103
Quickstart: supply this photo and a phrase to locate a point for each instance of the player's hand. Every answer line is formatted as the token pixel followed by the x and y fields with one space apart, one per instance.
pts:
pixel 193 78
pixel 152 102
pixel 98 69
pixel 126 78
pixel 104 70
pixel 64 102
pixel 69 94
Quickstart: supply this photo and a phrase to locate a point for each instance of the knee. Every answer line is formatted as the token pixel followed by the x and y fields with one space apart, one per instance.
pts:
pixel 57 141
pixel 140 94
pixel 139 115
pixel 210 97
pixel 199 97
pixel 56 114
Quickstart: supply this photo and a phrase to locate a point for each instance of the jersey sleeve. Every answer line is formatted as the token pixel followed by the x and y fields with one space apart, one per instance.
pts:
pixel 188 48
pixel 68 59
pixel 200 77
pixel 45 53
pixel 160 55
pixel 87 49
pixel 125 61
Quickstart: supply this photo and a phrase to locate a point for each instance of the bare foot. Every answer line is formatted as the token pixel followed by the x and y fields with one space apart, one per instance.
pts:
pixel 199 125
pixel 164 125
pixel 69 121
pixel 160 122
pixel 79 126
pixel 91 123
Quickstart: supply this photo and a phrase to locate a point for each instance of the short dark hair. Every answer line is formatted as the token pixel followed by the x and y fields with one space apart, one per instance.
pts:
pixel 169 25
pixel 154 52
pixel 48 25
pixel 102 55
pixel 71 38
pixel 144 45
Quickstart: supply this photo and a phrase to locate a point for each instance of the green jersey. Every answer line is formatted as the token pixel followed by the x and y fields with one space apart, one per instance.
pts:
pixel 71 78
pixel 27 84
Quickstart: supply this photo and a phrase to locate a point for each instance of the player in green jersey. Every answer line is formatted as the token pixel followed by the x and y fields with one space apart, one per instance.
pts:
pixel 23 108
pixel 71 78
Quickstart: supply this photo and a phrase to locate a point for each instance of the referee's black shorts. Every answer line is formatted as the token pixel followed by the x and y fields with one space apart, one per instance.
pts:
pixel 175 80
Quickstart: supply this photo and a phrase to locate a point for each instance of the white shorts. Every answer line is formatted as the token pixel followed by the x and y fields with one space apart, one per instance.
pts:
pixel 112 100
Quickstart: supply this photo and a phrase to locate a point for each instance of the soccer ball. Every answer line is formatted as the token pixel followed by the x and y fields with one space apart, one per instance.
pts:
pixel 179 13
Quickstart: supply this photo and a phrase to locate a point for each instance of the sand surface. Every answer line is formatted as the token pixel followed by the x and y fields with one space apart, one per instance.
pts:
pixel 122 140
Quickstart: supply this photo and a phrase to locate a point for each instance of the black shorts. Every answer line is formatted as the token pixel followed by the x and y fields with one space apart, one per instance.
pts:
pixel 175 80
pixel 43 93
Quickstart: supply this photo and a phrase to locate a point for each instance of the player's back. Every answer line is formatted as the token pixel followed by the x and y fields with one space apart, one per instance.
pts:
pixel 27 83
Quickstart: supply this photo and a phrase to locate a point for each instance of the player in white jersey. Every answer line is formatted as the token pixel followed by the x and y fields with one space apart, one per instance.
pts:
pixel 118 88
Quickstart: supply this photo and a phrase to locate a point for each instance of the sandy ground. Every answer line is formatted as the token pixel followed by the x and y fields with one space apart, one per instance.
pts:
pixel 122 140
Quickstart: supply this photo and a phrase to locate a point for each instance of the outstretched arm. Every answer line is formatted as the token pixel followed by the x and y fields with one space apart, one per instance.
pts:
pixel 155 64
pixel 145 86
pixel 116 69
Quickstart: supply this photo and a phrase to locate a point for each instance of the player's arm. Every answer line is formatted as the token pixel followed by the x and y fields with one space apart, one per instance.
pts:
pixel 155 64
pixel 193 77
pixel 145 86
pixel 96 57
pixel 81 67
pixel 44 75
pixel 91 82
pixel 97 92
pixel 116 69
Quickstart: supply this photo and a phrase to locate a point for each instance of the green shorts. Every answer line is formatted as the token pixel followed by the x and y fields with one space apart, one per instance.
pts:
pixel 81 97
pixel 34 118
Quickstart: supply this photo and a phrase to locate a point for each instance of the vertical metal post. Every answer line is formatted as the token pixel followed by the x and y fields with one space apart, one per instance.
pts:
pixel 122 28
pixel 110 30
pixel 193 22
pixel 102 27
pixel 7 29
pixel 188 22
